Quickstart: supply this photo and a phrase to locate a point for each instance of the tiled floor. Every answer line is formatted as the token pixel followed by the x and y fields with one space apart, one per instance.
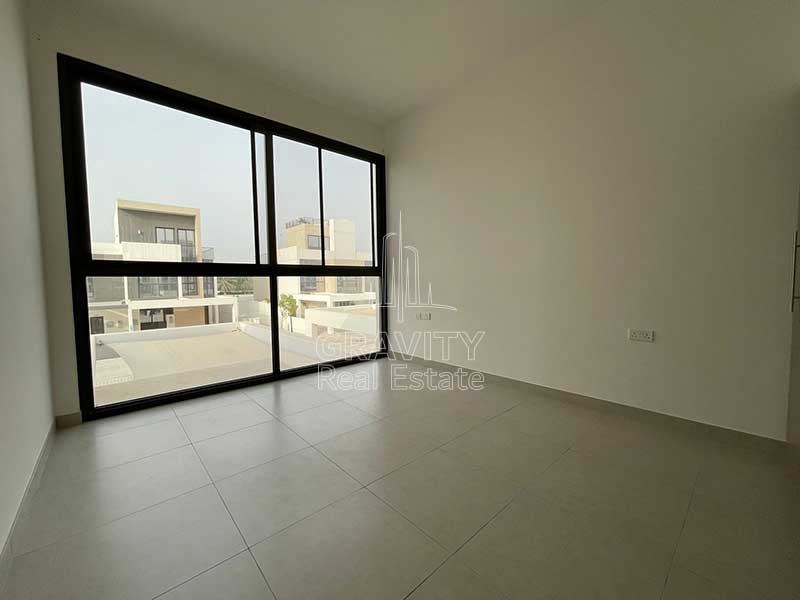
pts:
pixel 287 491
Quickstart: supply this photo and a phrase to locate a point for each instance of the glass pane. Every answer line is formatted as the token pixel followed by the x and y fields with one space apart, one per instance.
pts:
pixel 261 189
pixel 297 202
pixel 327 318
pixel 151 335
pixel 347 197
pixel 165 185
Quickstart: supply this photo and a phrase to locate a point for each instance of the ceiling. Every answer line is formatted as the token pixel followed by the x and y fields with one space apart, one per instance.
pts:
pixel 379 59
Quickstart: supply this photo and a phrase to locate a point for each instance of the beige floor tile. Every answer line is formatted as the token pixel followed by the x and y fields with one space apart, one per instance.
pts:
pixel 685 585
pixel 195 405
pixel 324 422
pixel 237 578
pixel 538 548
pixel 553 418
pixel 376 449
pixel 489 402
pixel 266 390
pixel 228 454
pixel 440 422
pixel 77 505
pixel 593 483
pixel 270 497
pixel 503 449
pixel 139 556
pixel 646 448
pixel 225 419
pixel 129 420
pixel 447 499
pixel 748 541
pixel 74 456
pixel 453 581
pixel 287 398
pixel 355 548
pixel 351 380
pixel 385 402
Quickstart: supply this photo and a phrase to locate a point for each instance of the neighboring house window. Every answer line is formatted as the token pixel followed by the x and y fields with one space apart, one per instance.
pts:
pixel 348 285
pixel 314 242
pixel 190 286
pixel 310 284
pixel 186 240
pixel 165 235
pixel 158 287
pixel 208 287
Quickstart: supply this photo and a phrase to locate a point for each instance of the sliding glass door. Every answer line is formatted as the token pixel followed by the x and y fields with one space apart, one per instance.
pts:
pixel 210 248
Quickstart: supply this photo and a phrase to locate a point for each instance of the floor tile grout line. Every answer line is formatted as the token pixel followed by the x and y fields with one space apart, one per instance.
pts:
pixel 193 577
pixel 243 399
pixel 482 527
pixel 278 416
pixel 89 474
pixel 230 516
pixel 114 520
pixel 285 424
pixel 336 401
pixel 248 547
pixel 308 516
pixel 439 447
pixel 272 418
pixel 680 534
pixel 212 481
pixel 263 575
pixel 454 552
pixel 251 426
pixel 409 521
pixel 131 428
pixel 216 489
pixel 262 464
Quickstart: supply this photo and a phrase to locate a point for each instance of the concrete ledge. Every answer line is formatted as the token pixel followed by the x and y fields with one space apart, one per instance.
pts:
pixel 7 553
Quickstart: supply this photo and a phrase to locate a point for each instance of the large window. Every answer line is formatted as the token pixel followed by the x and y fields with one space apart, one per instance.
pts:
pixel 210 248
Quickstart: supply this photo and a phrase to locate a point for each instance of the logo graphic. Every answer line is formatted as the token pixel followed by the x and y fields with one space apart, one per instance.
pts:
pixel 403 294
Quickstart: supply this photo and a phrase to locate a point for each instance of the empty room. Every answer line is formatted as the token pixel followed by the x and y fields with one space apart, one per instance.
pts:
pixel 410 299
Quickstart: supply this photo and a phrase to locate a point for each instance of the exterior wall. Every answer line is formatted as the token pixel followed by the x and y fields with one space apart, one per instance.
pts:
pixel 107 289
pixel 190 316
pixel 133 221
pixel 26 411
pixel 115 319
pixel 639 168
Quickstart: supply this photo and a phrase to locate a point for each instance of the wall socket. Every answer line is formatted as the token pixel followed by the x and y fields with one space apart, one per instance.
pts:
pixel 641 335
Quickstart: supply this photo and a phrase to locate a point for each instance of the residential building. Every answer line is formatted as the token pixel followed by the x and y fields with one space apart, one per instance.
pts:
pixel 162 233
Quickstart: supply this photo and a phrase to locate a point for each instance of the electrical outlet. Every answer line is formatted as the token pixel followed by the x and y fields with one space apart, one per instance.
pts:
pixel 641 335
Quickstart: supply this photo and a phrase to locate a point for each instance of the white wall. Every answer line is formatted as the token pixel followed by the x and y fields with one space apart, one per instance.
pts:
pixel 26 412
pixel 638 169
pixel 63 27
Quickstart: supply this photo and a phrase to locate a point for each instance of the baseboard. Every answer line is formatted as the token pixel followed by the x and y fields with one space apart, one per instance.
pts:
pixel 70 420
pixel 7 553
pixel 721 434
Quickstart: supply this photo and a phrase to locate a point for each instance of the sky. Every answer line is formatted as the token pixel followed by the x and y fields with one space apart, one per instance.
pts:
pixel 137 150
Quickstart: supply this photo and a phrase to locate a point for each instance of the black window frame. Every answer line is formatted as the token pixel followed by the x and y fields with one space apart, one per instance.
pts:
pixel 72 72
